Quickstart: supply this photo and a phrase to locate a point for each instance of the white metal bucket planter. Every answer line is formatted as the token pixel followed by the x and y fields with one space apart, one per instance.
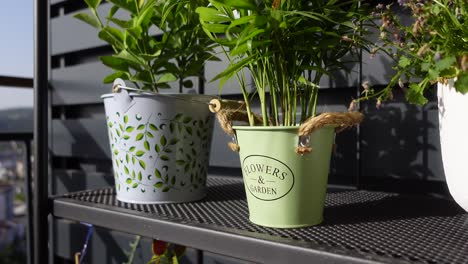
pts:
pixel 160 146
pixel 453 124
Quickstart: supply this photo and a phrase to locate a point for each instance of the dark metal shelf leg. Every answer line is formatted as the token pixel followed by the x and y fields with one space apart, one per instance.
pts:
pixel 41 148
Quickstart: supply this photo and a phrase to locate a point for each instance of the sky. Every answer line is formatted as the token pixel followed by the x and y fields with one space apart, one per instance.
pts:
pixel 16 50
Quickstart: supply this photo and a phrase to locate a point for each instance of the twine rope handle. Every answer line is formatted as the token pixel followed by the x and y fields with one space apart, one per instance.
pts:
pixel 339 120
pixel 226 117
pixel 228 111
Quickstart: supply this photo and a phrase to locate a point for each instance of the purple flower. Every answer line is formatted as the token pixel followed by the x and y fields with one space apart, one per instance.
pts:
pixel 402 2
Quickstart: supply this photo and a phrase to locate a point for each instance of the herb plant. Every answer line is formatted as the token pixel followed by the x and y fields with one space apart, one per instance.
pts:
pixel 287 46
pixel 140 55
pixel 432 48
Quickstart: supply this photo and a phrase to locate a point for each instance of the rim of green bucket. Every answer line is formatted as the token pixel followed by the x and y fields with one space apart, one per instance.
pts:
pixel 273 128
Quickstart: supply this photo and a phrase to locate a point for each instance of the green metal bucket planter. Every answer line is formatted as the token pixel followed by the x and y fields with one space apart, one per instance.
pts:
pixel 284 189
pixel 285 169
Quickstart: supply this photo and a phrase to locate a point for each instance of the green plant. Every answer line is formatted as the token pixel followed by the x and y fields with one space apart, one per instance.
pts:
pixel 288 46
pixel 432 48
pixel 140 55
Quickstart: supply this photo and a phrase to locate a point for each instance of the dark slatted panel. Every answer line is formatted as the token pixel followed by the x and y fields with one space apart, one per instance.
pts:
pixel 82 84
pixel 82 36
pixel 81 138
pixel 68 180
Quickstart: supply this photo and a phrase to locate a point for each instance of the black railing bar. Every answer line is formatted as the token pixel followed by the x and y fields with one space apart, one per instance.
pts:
pixel 16 82
pixel 41 207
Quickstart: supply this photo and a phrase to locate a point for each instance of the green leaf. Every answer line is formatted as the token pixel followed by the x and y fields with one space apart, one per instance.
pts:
pixel 153 127
pixel 414 95
pixel 146 145
pixel 135 185
pixel 112 11
pixel 111 77
pixel 126 170
pixel 148 134
pixel 89 19
pixel 135 32
pixel 163 140
pixel 173 141
pixel 116 152
pixel 189 130
pixel 129 129
pixel 119 22
pixel 158 184
pixel 157 173
pixel 168 77
pixel 112 36
pixel 157 148
pixel 118 132
pixel 115 63
pixel 150 57
pixel 139 153
pixel 178 116
pixel 126 137
pixel 132 148
pixel 404 62
pixel 133 174
pixel 140 177
pixel 143 77
pixel 128 181
pixel 212 15
pixel 445 63
pixel 461 84
pixel 171 127
pixel 131 58
pixel 164 157
pixel 242 4
pixel 236 67
pixel 173 180
pixel 139 136
pixel 141 127
pixel 166 189
pixel 187 119
pixel 433 74
pixel 133 160
pixel 93 4
pixel 142 164
pixel 125 119
pixel 180 162
pixel 127 158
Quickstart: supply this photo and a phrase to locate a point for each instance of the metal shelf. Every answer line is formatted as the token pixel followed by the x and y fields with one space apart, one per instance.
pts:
pixel 359 226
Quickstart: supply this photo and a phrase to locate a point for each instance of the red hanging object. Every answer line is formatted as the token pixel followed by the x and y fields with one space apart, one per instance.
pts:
pixel 159 247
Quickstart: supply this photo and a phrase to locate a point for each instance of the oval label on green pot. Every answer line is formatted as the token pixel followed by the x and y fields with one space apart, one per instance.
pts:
pixel 267 178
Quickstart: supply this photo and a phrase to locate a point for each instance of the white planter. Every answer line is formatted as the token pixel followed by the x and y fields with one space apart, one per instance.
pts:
pixel 453 127
pixel 160 146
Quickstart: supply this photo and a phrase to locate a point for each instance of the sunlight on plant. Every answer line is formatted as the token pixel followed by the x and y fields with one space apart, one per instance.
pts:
pixel 148 60
pixel 288 46
pixel 432 48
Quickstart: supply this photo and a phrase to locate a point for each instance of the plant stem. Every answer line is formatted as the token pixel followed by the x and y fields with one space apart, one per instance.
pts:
pixel 133 248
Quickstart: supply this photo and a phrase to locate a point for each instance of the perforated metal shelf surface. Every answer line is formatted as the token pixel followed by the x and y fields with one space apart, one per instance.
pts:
pixel 359 226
